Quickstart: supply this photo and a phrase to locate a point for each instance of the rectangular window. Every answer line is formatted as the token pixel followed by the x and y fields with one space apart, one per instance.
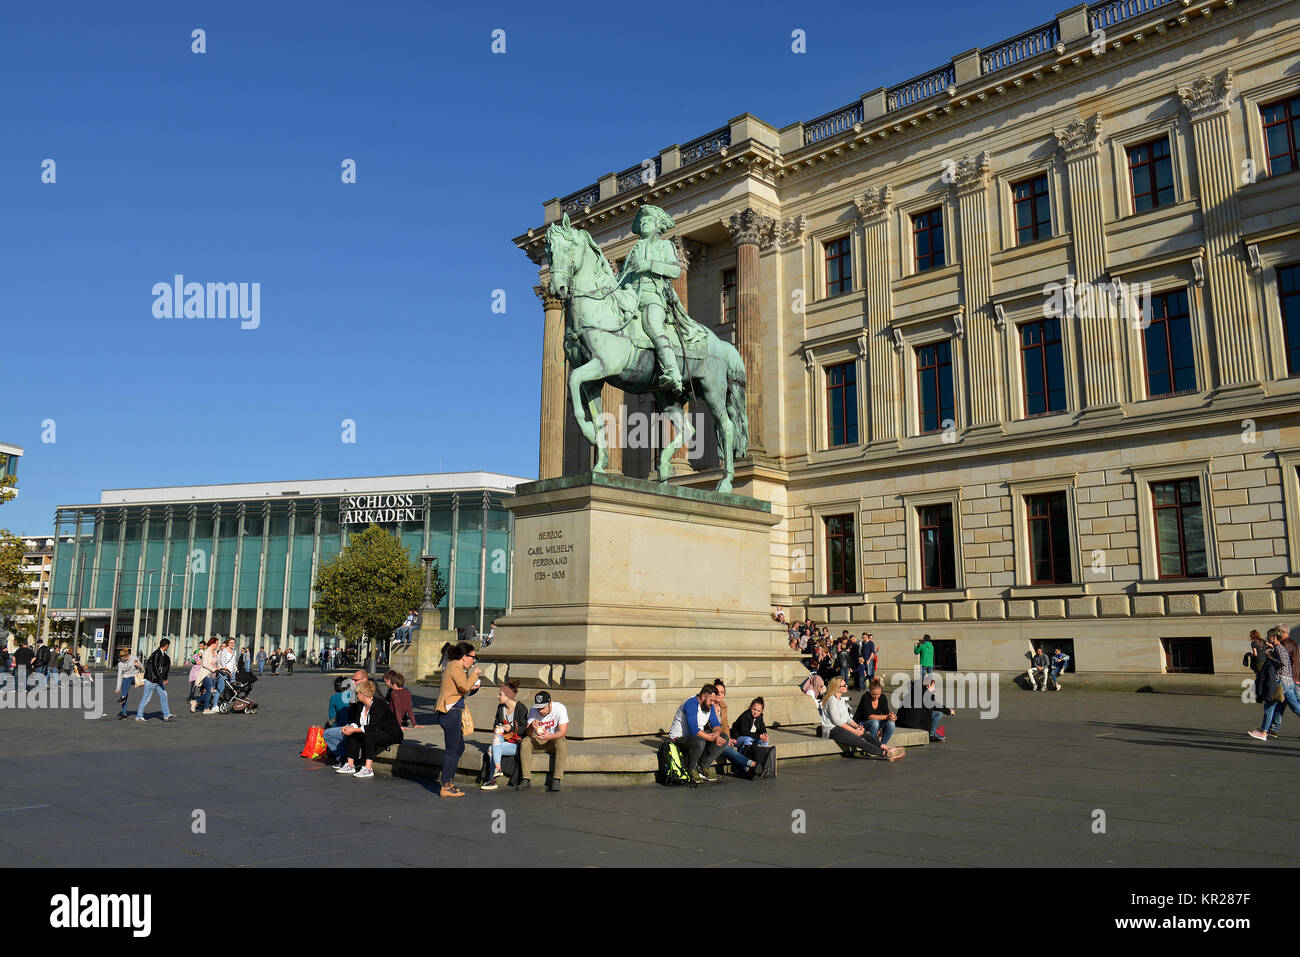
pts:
pixel 1042 363
pixel 1170 364
pixel 938 559
pixel 1049 539
pixel 1033 210
pixel 1193 656
pixel 945 654
pixel 934 385
pixel 728 295
pixel 1180 528
pixel 1151 173
pixel 839 266
pixel 927 239
pixel 1281 135
pixel 842 403
pixel 840 577
pixel 1288 290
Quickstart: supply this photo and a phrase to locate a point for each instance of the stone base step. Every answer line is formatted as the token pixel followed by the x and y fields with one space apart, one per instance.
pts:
pixel 602 761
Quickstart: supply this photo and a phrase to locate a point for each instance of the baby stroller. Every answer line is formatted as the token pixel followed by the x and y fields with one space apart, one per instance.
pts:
pixel 234 697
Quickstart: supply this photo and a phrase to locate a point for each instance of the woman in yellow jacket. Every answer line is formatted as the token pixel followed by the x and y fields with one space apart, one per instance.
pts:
pixel 460 678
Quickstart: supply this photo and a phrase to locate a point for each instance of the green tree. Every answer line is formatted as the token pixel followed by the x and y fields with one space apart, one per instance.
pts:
pixel 369 588
pixel 12 578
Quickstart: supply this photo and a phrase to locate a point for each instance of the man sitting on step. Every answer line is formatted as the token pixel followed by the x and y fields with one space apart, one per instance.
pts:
pixel 698 737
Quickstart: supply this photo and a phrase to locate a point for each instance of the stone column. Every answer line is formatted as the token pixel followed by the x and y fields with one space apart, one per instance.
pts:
pixel 611 401
pixel 1232 297
pixel 1100 328
pixel 551 440
pixel 749 230
pixel 690 255
pixel 983 355
pixel 874 210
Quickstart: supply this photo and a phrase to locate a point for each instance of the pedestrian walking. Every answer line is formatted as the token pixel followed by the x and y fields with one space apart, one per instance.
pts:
pixel 128 675
pixel 157 668
pixel 261 660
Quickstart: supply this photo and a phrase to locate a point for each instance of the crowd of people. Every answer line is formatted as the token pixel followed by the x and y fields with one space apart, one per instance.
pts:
pixel 52 661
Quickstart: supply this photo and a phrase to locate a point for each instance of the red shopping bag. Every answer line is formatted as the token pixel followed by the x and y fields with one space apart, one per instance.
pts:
pixel 315 745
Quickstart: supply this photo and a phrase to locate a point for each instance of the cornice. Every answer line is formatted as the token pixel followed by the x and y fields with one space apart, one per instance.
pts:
pixel 1129 40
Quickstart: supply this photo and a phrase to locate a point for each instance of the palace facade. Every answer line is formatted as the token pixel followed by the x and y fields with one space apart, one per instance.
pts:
pixel 1022 337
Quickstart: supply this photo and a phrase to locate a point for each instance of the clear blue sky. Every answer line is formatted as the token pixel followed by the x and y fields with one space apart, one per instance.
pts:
pixel 375 297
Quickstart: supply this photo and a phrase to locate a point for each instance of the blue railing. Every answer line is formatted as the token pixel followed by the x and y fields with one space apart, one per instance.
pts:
pixel 575 202
pixel 706 145
pixel 832 123
pixel 1028 44
pixel 921 88
pixel 1102 15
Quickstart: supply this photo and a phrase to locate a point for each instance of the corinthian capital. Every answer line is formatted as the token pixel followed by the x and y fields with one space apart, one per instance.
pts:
pixel 875 203
pixel 1207 96
pixel 1080 137
pixel 791 232
pixel 690 254
pixel 548 301
pixel 972 170
pixel 750 228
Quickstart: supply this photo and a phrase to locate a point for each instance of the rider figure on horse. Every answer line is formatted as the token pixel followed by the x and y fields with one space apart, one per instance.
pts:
pixel 650 268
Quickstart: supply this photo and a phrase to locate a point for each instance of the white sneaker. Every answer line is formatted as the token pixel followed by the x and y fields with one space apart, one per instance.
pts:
pixel 212 711
pixel 141 720
pixel 346 769
pixel 365 773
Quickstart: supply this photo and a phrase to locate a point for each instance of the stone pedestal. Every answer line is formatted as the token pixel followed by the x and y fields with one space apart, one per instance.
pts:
pixel 419 660
pixel 629 595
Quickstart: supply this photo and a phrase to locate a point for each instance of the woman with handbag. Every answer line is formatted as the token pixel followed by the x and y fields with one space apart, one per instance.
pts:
pixel 459 679
pixel 128 675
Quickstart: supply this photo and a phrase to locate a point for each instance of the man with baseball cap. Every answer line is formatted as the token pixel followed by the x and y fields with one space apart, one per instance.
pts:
pixel 548 722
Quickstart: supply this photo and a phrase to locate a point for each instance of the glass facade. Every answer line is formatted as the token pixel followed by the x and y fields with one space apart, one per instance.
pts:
pixel 246 568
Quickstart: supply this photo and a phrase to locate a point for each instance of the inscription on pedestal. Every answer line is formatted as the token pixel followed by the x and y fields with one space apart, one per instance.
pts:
pixel 549 556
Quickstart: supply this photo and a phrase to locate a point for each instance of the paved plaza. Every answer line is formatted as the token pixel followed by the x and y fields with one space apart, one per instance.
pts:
pixel 1179 781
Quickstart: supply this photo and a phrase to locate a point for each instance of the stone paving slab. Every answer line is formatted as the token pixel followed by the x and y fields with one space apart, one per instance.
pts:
pixel 1179 781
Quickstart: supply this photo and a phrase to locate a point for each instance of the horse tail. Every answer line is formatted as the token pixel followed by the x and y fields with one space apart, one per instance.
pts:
pixel 736 402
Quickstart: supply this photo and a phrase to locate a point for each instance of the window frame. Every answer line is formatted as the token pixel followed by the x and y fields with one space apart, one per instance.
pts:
pixel 1031 522
pixel 1042 346
pixel 829 391
pixel 930 230
pixel 1154 190
pixel 1289 347
pixel 848 564
pixel 919 377
pixel 1164 321
pixel 1148 541
pixel 843 255
pixel 921 527
pixel 727 313
pixel 1046 179
pixel 1291 122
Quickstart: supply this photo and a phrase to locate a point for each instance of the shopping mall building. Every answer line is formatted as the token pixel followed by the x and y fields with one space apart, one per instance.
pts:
pixel 240 560
pixel 1022 336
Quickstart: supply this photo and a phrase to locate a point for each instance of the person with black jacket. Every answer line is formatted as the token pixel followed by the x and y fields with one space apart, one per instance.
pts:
pixel 157 668
pixel 376 728
pixel 42 662
pixel 23 659
pixel 508 728
pixel 749 728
